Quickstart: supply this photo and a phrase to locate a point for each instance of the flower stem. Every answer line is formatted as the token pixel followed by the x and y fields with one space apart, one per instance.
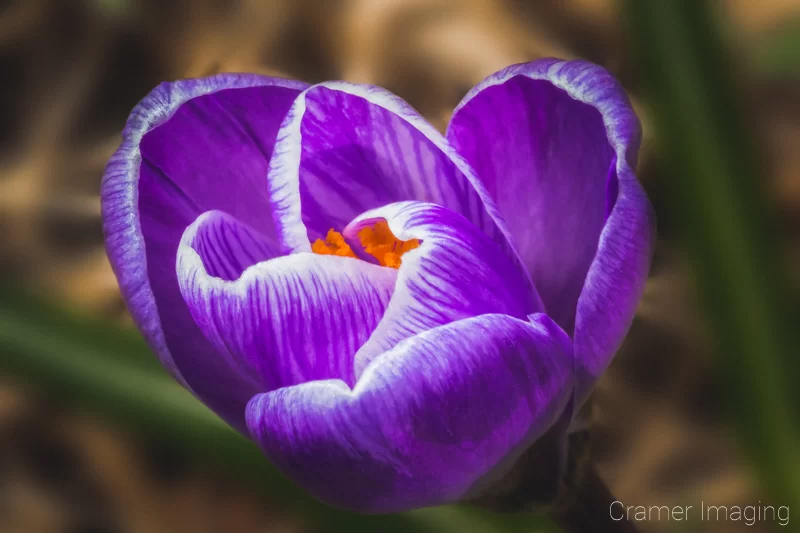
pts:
pixel 586 506
pixel 584 501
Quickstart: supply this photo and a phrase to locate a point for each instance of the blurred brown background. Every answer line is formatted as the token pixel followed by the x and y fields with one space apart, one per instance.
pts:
pixel 71 72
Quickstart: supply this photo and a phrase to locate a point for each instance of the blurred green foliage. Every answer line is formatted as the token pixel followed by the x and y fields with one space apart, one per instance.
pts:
pixel 718 193
pixel 779 52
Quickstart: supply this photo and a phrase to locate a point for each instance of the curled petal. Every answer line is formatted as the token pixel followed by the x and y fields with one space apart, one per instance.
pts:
pixel 345 149
pixel 555 145
pixel 427 422
pixel 614 284
pixel 225 246
pixel 292 319
pixel 189 147
pixel 457 272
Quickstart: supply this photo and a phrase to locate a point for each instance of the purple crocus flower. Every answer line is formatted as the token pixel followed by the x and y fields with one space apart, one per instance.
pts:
pixel 393 315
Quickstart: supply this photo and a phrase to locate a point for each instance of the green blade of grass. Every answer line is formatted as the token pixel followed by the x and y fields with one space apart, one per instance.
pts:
pixel 718 194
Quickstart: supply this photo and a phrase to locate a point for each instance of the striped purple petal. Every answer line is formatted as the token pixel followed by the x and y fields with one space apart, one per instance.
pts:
pixel 457 272
pixel 555 145
pixel 190 147
pixel 285 321
pixel 346 149
pixel 431 421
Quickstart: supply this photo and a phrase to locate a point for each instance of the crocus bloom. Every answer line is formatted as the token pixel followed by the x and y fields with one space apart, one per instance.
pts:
pixel 393 315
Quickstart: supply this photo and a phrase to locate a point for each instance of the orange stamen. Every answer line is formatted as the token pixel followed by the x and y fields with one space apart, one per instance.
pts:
pixel 334 244
pixel 378 241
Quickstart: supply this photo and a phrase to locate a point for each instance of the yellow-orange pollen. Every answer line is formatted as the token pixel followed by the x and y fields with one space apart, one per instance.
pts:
pixel 378 241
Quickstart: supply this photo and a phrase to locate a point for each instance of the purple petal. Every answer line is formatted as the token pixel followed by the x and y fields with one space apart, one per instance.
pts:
pixel 346 149
pixel 189 147
pixel 429 422
pixel 614 284
pixel 225 246
pixel 292 319
pixel 555 144
pixel 457 272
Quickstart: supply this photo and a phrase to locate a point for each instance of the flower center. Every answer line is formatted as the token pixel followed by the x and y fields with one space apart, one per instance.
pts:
pixel 378 241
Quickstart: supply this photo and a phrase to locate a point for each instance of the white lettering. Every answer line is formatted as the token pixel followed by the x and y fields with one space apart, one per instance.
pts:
pixel 611 511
